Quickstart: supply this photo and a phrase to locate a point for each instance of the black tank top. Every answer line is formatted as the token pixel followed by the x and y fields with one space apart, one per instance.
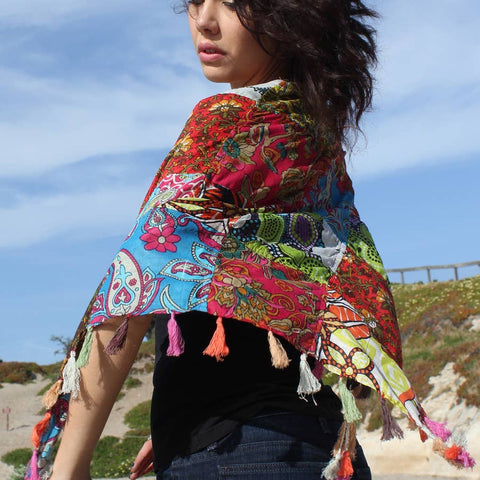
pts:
pixel 197 400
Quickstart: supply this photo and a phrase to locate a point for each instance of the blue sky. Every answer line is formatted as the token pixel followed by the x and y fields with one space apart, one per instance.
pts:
pixel 93 94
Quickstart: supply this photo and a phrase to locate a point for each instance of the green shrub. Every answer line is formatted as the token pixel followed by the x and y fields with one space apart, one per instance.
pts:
pixel 131 382
pixel 18 457
pixel 138 419
pixel 19 372
pixel 113 456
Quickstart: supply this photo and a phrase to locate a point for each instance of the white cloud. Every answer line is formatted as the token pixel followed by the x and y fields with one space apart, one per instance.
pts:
pixel 97 214
pixel 427 102
pixel 48 12
pixel 64 122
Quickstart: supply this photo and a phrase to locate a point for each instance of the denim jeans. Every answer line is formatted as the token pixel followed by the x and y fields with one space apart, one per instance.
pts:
pixel 269 447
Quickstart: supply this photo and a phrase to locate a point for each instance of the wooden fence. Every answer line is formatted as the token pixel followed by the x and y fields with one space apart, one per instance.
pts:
pixel 454 266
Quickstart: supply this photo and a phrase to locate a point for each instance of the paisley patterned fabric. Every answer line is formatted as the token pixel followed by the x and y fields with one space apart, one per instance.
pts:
pixel 251 217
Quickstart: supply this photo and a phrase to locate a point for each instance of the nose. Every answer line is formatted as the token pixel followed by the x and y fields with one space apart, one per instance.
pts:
pixel 205 17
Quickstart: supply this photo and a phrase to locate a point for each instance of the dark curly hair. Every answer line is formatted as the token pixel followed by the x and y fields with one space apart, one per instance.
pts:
pixel 327 47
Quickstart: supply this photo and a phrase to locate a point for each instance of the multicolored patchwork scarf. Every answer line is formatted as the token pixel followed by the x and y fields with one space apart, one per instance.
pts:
pixel 251 217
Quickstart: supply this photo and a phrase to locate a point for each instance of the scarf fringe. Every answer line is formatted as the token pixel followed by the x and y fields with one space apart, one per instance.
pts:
pixel 438 429
pixel 330 472
pixel 308 383
pixel 39 429
pixel 218 347
pixel 51 395
pixel 71 377
pixel 345 471
pixel 84 355
pixel 32 470
pixel 118 340
pixel 390 427
pixel 280 358
pixel 176 343
pixel 350 410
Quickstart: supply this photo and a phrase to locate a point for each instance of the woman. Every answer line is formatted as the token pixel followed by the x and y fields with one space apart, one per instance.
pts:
pixel 249 223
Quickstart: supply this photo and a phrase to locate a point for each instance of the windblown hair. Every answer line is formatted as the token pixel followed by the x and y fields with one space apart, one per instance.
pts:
pixel 327 47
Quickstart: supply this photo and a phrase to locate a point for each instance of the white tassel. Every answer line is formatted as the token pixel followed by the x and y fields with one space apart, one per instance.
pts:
pixel 308 383
pixel 71 377
pixel 331 470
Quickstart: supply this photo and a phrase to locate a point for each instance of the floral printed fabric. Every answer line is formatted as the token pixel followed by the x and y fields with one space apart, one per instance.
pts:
pixel 251 216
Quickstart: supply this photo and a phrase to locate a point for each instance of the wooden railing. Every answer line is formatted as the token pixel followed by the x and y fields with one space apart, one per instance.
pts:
pixel 429 268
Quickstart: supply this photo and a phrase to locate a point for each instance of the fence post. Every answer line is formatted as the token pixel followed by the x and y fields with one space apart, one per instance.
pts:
pixel 7 411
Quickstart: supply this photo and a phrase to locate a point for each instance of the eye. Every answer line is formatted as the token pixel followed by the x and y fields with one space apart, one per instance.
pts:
pixel 230 5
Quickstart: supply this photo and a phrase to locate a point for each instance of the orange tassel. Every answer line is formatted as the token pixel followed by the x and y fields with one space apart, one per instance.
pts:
pixel 346 467
pixel 218 347
pixel 423 436
pixel 38 430
pixel 452 453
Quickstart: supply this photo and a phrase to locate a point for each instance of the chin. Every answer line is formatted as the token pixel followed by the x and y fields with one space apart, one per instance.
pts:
pixel 216 76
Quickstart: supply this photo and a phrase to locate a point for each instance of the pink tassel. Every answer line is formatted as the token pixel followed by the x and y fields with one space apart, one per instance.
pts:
pixel 390 428
pixel 34 475
pixel 438 429
pixel 466 460
pixel 176 344
pixel 118 340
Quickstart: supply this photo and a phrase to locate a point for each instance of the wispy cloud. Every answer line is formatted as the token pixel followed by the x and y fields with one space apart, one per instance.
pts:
pixel 82 80
pixel 427 98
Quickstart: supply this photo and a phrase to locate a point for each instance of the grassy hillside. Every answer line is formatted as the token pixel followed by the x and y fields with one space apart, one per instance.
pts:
pixel 436 324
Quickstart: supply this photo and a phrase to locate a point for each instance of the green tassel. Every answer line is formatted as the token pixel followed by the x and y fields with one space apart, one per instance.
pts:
pixel 84 355
pixel 350 410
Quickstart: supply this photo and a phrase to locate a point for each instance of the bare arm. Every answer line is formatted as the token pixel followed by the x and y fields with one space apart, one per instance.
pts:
pixel 102 380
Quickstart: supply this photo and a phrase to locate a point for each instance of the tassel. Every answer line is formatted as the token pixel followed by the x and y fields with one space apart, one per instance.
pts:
pixel 71 377
pixel 439 447
pixel 458 456
pixel 38 430
pixel 318 370
pixel 423 435
pixel 452 453
pixel 347 440
pixel 465 459
pixel 351 412
pixel 84 355
pixel 280 358
pixel 390 428
pixel 308 383
pixel 176 344
pixel 438 429
pixel 51 395
pixel 345 471
pixel 34 475
pixel 331 470
pixel 218 347
pixel 118 340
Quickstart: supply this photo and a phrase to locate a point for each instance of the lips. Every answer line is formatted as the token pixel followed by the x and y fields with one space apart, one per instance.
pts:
pixel 209 53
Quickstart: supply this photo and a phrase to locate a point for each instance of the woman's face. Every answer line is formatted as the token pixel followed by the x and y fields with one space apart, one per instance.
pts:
pixel 228 52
